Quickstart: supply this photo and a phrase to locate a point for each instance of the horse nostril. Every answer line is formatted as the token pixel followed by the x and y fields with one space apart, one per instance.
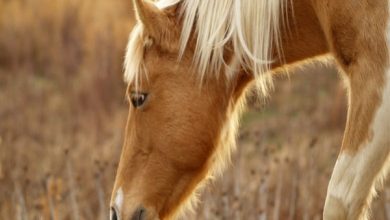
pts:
pixel 140 214
pixel 114 216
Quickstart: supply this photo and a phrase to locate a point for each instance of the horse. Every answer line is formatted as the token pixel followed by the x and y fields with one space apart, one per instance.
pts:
pixel 189 65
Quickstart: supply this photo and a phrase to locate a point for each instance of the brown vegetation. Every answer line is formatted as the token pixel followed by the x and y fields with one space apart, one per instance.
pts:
pixel 61 106
pixel 62 115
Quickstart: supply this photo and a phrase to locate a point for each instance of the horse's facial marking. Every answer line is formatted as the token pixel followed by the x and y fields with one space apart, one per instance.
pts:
pixel 117 206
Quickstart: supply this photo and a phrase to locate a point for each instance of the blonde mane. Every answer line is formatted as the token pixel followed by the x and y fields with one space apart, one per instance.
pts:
pixel 250 26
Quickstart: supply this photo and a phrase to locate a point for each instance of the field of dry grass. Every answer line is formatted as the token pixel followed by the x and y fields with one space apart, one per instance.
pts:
pixel 62 115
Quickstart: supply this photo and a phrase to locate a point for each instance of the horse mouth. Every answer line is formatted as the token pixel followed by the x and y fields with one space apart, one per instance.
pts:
pixel 139 214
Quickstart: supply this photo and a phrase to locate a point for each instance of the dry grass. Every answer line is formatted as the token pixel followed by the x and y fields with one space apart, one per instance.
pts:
pixel 62 114
pixel 62 106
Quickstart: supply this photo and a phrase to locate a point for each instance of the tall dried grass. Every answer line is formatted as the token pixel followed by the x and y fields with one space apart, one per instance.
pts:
pixel 61 105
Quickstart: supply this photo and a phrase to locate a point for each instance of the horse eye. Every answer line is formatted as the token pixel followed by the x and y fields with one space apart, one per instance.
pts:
pixel 138 99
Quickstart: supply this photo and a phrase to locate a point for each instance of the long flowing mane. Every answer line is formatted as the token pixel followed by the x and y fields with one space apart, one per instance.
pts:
pixel 251 27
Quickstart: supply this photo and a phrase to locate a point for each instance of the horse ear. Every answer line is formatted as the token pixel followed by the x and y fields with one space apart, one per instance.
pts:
pixel 158 22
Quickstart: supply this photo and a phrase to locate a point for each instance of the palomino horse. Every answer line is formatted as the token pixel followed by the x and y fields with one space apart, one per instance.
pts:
pixel 189 65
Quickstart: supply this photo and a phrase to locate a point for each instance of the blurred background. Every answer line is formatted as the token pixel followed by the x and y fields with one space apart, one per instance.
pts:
pixel 63 112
